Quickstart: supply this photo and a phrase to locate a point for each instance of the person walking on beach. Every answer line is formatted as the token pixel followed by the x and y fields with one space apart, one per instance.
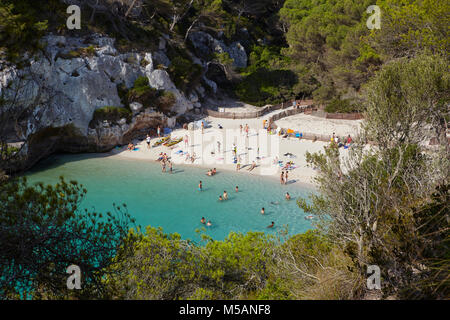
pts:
pixel 148 141
pixel 186 141
pixel 282 177
pixel 159 131
pixel 253 166
pixel 203 127
pixel 218 146
pixel 286 179
pixel 170 167
pixel 200 186
pixel 240 129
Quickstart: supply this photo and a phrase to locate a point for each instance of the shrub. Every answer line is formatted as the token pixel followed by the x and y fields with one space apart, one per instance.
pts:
pixel 166 101
pixel 184 73
pixel 110 113
pixel 142 92
pixel 141 82
pixel 266 86
pixel 342 106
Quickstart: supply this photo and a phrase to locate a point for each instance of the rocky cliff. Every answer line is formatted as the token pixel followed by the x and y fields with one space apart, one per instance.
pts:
pixel 57 92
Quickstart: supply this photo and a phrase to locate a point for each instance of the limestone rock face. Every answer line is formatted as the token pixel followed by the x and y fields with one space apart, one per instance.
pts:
pixel 136 107
pixel 205 44
pixel 71 79
pixel 160 79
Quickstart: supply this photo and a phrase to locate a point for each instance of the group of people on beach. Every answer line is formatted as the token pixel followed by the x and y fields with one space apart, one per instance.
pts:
pixel 164 160
pixel 245 128
pixel 344 142
pixel 284 177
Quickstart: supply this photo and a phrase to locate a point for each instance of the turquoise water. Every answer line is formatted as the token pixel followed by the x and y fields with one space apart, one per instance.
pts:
pixel 172 201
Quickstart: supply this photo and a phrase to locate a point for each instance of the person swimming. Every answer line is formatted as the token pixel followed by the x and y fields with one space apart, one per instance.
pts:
pixel 225 195
pixel 263 211
pixel 203 220
pixel 209 224
pixel 237 189
pixel 274 202
pixel 288 196
pixel 220 198
pixel 271 225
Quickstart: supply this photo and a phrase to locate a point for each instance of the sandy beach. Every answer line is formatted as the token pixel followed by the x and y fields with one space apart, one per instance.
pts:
pixel 266 159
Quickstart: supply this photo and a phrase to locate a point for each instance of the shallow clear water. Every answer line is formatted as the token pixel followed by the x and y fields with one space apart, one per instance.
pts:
pixel 173 201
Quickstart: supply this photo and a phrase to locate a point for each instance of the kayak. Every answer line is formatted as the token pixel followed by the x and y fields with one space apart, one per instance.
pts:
pixel 173 142
pixel 160 141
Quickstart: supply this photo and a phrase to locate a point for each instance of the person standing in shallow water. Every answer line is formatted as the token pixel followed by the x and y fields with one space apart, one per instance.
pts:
pixel 200 186
pixel 282 177
pixel 237 188
pixel 263 211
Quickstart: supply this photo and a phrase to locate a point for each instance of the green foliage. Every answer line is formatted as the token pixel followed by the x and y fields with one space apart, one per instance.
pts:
pixel 420 86
pixel 20 29
pixel 410 27
pixel 165 267
pixel 324 37
pixel 341 106
pixel 44 230
pixel 242 266
pixel 165 101
pixel 265 86
pixel 142 92
pixel 184 73
pixel 376 204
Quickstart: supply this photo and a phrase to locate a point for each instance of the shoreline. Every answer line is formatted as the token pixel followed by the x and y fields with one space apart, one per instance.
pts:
pixel 214 147
pixel 301 184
